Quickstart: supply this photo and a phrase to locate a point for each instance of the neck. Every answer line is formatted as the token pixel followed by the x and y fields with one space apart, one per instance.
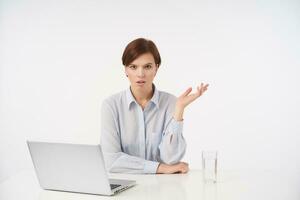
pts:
pixel 142 96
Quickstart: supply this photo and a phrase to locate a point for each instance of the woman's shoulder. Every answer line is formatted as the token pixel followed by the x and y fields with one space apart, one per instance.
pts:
pixel 115 98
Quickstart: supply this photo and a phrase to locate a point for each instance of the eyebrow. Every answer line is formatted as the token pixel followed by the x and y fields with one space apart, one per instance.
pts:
pixel 143 65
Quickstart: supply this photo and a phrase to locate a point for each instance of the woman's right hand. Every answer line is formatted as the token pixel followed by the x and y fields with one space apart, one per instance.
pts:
pixel 180 167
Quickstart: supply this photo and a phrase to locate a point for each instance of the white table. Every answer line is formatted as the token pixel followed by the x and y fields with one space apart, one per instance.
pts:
pixel 231 185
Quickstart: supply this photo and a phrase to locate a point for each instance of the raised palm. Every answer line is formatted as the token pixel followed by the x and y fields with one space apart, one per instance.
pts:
pixel 186 98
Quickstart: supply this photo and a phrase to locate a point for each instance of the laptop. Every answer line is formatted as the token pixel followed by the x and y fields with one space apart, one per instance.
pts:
pixel 73 168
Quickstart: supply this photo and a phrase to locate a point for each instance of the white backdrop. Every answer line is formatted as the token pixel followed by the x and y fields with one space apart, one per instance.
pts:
pixel 60 59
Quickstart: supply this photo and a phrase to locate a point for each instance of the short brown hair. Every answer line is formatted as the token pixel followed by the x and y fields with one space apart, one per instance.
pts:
pixel 138 47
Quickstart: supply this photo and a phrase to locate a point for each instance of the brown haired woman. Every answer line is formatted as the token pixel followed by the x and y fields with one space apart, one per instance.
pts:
pixel 141 127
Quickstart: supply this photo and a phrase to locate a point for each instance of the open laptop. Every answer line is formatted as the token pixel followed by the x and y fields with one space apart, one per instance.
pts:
pixel 73 168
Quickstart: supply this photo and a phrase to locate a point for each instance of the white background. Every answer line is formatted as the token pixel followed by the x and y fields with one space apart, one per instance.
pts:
pixel 60 59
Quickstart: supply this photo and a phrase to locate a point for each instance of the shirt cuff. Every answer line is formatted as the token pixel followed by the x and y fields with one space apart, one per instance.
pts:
pixel 150 167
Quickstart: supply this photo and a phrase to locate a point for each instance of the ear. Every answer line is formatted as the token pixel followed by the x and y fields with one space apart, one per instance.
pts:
pixel 125 71
pixel 156 69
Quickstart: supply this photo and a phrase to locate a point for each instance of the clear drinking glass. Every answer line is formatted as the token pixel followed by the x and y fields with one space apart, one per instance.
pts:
pixel 209 166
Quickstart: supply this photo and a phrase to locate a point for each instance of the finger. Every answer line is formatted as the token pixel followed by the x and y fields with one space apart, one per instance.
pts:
pixel 185 170
pixel 202 85
pixel 186 92
pixel 205 87
pixel 182 170
pixel 198 88
pixel 202 88
pixel 199 92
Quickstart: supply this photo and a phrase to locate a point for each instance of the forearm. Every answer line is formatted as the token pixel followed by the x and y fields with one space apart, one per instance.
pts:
pixel 178 113
pixel 123 163
pixel 173 146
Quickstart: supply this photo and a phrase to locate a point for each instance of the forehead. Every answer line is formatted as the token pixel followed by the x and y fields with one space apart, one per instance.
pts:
pixel 143 59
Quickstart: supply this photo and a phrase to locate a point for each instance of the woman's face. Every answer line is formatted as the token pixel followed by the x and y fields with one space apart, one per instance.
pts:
pixel 142 71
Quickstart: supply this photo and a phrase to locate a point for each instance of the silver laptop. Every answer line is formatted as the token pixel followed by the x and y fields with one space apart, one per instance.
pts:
pixel 73 168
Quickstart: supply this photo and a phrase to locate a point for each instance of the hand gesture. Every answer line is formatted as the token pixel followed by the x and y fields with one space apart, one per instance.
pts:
pixel 186 98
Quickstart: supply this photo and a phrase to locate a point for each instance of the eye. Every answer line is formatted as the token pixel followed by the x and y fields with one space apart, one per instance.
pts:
pixel 148 66
pixel 132 66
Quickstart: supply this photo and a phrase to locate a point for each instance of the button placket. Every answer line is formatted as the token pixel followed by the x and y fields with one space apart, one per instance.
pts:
pixel 142 132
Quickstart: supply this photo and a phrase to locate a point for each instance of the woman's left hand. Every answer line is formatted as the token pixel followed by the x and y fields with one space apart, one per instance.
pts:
pixel 186 98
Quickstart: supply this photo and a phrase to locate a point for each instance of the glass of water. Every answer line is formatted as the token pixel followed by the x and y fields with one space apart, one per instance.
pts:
pixel 209 166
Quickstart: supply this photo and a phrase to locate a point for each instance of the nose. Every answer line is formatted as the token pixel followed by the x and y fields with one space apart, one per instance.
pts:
pixel 140 72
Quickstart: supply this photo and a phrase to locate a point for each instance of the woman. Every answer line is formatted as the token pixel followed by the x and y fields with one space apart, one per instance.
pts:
pixel 142 126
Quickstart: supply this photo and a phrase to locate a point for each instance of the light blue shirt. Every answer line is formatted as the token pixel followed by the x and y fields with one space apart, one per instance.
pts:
pixel 134 140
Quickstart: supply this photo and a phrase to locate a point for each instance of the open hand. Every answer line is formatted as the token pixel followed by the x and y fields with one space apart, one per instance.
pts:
pixel 186 98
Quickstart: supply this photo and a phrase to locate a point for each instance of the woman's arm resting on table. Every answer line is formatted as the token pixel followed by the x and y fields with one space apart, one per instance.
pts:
pixel 180 167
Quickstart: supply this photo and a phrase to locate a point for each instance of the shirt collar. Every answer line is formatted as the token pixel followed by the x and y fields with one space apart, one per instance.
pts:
pixel 131 99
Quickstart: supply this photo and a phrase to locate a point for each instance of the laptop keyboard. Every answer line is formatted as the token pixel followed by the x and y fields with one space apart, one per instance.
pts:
pixel 113 186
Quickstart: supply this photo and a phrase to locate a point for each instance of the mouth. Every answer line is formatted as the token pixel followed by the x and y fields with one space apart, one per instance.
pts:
pixel 141 82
